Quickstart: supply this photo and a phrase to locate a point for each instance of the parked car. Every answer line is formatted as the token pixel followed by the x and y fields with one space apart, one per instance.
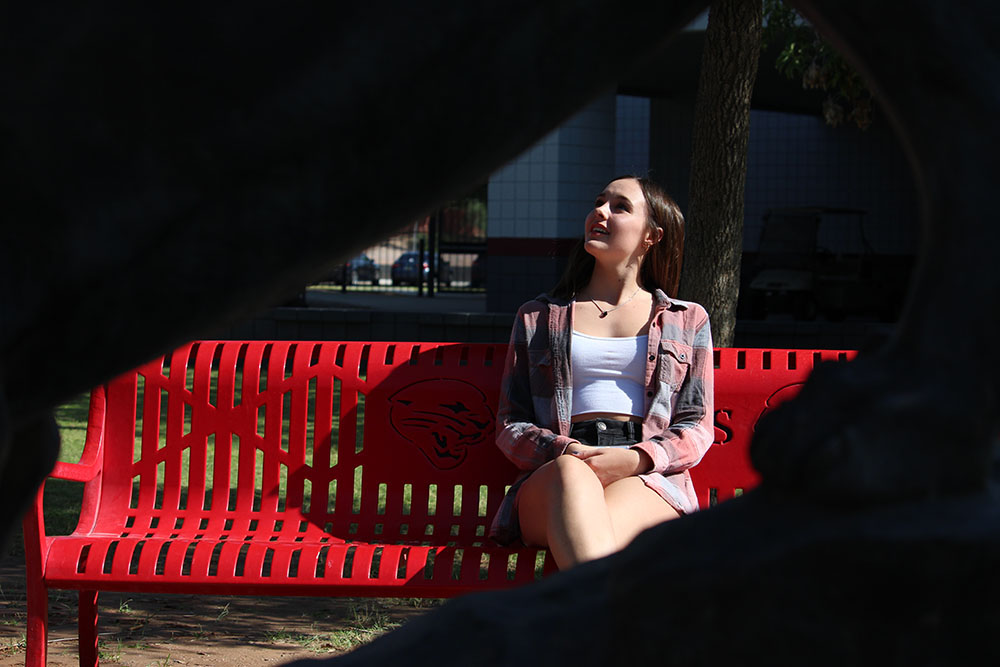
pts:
pixel 362 269
pixel 405 270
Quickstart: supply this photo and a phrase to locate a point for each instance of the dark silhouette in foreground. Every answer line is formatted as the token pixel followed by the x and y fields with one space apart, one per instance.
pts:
pixel 168 169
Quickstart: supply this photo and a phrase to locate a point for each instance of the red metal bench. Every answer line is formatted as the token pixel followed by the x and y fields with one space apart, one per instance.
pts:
pixel 303 468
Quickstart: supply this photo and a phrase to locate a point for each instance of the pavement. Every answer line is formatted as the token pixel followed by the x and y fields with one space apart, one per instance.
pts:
pixel 398 302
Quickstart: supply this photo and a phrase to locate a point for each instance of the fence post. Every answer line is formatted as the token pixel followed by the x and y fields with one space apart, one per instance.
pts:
pixel 432 241
pixel 420 267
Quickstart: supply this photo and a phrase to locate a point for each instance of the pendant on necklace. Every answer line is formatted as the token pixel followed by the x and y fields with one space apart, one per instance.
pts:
pixel 604 313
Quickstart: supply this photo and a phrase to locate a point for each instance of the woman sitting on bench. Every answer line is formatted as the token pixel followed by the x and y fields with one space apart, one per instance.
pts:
pixel 607 394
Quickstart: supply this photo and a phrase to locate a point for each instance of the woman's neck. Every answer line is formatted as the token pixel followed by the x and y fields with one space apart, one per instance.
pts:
pixel 612 284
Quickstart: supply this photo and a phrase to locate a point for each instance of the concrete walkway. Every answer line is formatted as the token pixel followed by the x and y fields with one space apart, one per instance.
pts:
pixel 441 302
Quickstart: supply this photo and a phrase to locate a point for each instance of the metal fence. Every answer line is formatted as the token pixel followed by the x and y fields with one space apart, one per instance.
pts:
pixel 445 251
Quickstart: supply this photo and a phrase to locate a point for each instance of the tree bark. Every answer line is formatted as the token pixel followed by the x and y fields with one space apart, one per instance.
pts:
pixel 714 235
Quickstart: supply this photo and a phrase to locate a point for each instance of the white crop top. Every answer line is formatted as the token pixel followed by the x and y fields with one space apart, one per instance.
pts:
pixel 608 374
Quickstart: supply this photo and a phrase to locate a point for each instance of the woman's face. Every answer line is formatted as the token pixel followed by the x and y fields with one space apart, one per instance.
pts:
pixel 617 229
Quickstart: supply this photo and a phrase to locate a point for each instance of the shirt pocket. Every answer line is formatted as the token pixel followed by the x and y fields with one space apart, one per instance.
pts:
pixel 674 363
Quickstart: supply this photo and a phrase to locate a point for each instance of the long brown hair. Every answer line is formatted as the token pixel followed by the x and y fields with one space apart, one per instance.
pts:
pixel 661 267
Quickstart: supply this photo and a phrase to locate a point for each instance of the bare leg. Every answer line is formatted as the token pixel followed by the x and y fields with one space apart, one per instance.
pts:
pixel 561 506
pixel 634 507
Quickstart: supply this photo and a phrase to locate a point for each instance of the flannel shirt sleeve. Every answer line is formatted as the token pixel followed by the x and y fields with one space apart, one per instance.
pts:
pixel 691 427
pixel 519 436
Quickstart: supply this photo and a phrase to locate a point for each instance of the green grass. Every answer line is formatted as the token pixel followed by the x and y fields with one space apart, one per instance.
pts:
pixel 12 645
pixel 368 620
pixel 63 498
pixel 72 420
pixel 109 651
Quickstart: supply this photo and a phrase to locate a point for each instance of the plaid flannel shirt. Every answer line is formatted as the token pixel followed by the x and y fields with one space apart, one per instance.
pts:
pixel 533 418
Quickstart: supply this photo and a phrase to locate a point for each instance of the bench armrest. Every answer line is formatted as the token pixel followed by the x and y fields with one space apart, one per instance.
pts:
pixel 86 470
pixel 90 460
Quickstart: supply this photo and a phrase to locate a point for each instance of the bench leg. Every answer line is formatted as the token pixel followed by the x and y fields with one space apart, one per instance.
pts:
pixel 37 633
pixel 87 624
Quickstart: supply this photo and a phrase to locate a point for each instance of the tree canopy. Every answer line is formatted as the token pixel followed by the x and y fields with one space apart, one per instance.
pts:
pixel 804 54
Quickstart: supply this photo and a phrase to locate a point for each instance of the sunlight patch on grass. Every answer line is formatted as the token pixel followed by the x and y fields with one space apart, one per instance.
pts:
pixel 368 621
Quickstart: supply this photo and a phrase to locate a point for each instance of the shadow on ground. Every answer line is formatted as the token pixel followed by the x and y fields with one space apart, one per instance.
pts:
pixel 142 630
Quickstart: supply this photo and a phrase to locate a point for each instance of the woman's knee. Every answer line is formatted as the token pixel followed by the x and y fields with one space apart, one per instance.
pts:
pixel 551 493
pixel 571 472
pixel 562 475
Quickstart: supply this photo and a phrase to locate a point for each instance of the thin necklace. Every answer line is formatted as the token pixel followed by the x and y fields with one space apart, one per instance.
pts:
pixel 604 313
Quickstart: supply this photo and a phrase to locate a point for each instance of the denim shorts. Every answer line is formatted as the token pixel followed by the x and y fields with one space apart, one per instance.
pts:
pixel 606 432
pixel 595 432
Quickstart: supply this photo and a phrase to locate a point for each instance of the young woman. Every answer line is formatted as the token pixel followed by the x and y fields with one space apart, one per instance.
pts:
pixel 607 394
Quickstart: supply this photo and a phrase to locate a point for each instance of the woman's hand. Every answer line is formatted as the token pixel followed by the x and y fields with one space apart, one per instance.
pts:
pixel 611 464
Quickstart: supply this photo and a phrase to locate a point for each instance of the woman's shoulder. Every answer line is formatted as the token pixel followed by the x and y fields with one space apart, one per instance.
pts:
pixel 541 304
pixel 694 315
pixel 692 309
pixel 537 317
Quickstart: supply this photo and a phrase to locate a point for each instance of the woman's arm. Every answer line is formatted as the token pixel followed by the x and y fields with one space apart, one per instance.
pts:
pixel 611 464
pixel 526 391
pixel 678 440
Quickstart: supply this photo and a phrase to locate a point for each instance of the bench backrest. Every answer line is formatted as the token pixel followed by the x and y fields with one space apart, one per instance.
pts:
pixel 388 442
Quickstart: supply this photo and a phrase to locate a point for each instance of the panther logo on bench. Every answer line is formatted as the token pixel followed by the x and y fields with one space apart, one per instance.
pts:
pixel 443 418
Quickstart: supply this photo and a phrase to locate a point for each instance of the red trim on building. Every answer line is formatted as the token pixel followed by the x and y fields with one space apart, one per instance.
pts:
pixel 522 247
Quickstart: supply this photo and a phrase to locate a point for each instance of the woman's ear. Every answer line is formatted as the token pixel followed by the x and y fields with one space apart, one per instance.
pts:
pixel 654 237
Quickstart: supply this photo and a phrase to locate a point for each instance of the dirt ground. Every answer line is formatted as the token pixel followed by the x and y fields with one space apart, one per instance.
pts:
pixel 145 630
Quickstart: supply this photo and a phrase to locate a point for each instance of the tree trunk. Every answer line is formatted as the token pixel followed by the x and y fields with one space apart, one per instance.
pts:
pixel 714 236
